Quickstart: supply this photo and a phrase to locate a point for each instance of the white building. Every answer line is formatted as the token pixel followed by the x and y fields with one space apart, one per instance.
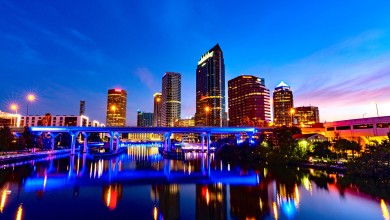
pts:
pixel 9 119
pixel 58 120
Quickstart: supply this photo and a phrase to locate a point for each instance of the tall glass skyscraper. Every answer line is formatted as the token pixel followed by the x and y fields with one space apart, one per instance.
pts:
pixel 249 101
pixel 157 97
pixel 283 104
pixel 116 108
pixel 171 99
pixel 210 89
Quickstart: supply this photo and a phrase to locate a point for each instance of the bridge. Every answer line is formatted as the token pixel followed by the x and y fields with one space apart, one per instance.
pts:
pixel 115 132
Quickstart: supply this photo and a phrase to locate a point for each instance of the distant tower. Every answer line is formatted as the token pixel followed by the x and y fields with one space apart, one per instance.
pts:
pixel 210 89
pixel 116 108
pixel 144 119
pixel 249 101
pixel 283 103
pixel 171 99
pixel 82 107
pixel 157 109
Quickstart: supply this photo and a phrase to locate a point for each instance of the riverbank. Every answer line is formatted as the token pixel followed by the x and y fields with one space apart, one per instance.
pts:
pixel 12 158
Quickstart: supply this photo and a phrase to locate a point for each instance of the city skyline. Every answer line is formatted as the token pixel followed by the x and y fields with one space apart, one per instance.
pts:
pixel 64 57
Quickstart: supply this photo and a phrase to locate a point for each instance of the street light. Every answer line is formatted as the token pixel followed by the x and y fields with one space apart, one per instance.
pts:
pixel 30 98
pixel 292 111
pixel 207 109
pixel 113 108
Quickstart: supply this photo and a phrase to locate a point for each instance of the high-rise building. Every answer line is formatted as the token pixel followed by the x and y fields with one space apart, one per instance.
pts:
pixel 82 107
pixel 144 119
pixel 283 104
pixel 249 101
pixel 116 108
pixel 171 99
pixel 210 89
pixel 306 115
pixel 157 109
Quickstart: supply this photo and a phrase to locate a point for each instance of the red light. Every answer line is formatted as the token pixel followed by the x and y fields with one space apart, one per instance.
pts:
pixel 118 90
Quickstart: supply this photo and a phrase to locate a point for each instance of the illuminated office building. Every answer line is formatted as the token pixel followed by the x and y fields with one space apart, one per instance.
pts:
pixel 171 99
pixel 283 104
pixel 210 89
pixel 116 108
pixel 157 97
pixel 306 115
pixel 249 101
pixel 144 119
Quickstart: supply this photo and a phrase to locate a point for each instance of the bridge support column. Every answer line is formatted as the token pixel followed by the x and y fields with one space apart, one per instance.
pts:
pixel 112 136
pixel 250 136
pixel 238 137
pixel 53 140
pixel 73 135
pixel 85 135
pixel 202 137
pixel 167 138
pixel 208 142
pixel 118 140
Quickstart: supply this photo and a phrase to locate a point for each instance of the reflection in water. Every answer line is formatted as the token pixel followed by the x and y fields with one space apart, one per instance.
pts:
pixel 211 201
pixel 19 214
pixel 112 194
pixel 212 189
pixel 385 210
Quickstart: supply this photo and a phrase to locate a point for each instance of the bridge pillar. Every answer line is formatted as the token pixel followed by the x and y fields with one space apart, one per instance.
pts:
pixel 238 137
pixel 202 137
pixel 112 136
pixel 85 135
pixel 118 140
pixel 167 141
pixel 250 135
pixel 53 139
pixel 208 142
pixel 73 135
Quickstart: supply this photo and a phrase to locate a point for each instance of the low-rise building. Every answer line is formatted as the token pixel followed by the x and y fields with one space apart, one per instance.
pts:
pixel 9 119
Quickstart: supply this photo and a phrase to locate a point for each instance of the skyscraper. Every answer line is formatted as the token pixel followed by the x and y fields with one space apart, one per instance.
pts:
pixel 171 99
pixel 82 107
pixel 210 89
pixel 283 104
pixel 116 107
pixel 144 119
pixel 157 109
pixel 249 101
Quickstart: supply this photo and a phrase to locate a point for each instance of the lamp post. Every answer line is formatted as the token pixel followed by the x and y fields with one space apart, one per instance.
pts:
pixel 14 108
pixel 206 109
pixel 30 98
pixel 113 108
pixel 364 114
pixel 292 111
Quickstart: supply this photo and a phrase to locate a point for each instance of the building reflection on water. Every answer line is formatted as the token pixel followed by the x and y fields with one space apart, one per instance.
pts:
pixel 276 195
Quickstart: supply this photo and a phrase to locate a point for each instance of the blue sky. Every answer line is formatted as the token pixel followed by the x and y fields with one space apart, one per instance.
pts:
pixel 334 54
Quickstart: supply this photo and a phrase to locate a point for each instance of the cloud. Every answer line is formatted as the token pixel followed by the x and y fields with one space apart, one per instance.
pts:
pixel 146 77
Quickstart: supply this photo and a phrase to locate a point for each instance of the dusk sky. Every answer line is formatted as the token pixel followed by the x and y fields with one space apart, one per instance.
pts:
pixel 334 54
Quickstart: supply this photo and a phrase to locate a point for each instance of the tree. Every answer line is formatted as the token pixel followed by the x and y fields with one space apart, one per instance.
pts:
pixel 282 141
pixel 6 138
pixel 94 137
pixel 28 138
pixel 321 149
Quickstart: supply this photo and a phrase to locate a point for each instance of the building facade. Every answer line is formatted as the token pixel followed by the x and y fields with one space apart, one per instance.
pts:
pixel 9 119
pixel 210 89
pixel 283 103
pixel 171 99
pixel 116 108
pixel 306 115
pixel 249 101
pixel 58 120
pixel 157 97
pixel 82 107
pixel 144 119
